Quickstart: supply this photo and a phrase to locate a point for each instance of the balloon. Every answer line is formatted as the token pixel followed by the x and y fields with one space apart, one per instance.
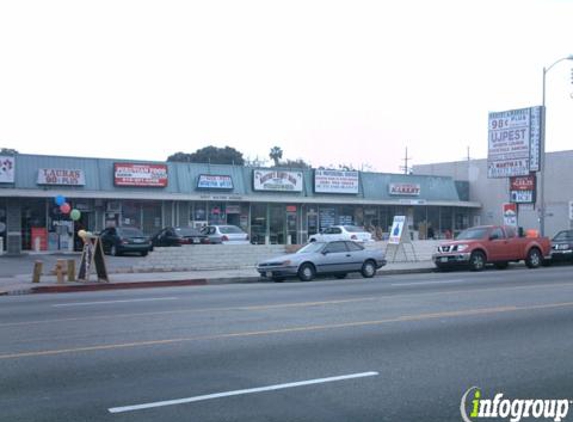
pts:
pixel 82 233
pixel 65 208
pixel 60 200
pixel 75 215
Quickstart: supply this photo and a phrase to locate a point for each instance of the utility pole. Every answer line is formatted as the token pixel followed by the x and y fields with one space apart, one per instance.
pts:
pixel 406 159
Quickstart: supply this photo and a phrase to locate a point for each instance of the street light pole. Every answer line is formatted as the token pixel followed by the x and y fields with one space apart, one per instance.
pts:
pixel 542 170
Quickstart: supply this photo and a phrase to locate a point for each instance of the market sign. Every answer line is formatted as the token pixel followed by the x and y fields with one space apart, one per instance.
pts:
pixel 335 181
pixel 277 180
pixel 62 177
pixel 210 181
pixel 522 189
pixel 514 140
pixel 7 166
pixel 404 189
pixel 147 175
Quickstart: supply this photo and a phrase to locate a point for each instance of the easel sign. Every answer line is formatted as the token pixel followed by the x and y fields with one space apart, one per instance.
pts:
pixel 399 238
pixel 92 256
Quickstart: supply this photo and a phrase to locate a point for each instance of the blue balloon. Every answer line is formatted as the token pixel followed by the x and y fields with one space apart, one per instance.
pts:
pixel 60 199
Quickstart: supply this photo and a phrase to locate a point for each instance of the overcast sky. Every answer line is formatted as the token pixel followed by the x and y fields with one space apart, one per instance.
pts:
pixel 331 82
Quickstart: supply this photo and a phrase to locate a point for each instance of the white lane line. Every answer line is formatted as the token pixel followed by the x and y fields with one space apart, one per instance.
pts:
pixel 111 302
pixel 423 283
pixel 239 392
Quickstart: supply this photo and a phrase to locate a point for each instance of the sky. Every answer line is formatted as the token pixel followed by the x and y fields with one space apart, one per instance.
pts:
pixel 330 82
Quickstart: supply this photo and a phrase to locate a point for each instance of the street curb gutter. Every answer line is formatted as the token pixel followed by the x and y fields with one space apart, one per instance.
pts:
pixel 173 283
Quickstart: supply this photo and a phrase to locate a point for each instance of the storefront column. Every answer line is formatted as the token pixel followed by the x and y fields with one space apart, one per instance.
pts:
pixel 14 227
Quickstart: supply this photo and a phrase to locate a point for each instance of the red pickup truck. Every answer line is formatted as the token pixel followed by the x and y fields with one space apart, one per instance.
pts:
pixel 499 245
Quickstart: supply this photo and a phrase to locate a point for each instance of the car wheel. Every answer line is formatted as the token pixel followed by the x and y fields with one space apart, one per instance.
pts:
pixel 501 265
pixel 534 258
pixel 306 272
pixel 368 269
pixel 114 250
pixel 477 261
pixel 341 276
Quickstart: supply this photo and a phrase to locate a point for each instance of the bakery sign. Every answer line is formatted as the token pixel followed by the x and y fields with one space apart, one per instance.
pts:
pixel 146 175
pixel 277 180
pixel 213 181
pixel 404 189
pixel 61 177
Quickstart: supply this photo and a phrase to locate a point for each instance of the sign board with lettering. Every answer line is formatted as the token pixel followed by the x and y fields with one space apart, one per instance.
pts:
pixel 146 175
pixel 213 181
pixel 277 180
pixel 62 177
pixel 7 169
pixel 522 189
pixel 397 230
pixel 404 189
pixel 510 215
pixel 514 139
pixel 335 181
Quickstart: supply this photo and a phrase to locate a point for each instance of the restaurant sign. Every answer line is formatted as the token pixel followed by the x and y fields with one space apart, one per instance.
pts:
pixel 213 181
pixel 61 177
pixel 404 189
pixel 335 181
pixel 145 175
pixel 277 180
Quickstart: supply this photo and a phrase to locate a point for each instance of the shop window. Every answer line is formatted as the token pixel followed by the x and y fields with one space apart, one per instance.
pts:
pixel 130 214
pixel 199 213
pixel 277 224
pixel 258 223
pixel 34 217
pixel 217 214
pixel 151 217
pixel 3 222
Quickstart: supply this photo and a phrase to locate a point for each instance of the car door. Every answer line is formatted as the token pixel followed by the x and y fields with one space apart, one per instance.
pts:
pixel 335 258
pixel 498 246
pixel 356 256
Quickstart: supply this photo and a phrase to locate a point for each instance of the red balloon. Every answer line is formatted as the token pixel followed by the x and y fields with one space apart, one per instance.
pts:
pixel 65 208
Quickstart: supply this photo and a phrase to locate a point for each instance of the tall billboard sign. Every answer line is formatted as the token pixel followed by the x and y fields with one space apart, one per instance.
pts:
pixel 514 142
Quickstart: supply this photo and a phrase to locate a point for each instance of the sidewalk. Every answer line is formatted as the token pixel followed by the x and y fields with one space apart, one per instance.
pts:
pixel 22 284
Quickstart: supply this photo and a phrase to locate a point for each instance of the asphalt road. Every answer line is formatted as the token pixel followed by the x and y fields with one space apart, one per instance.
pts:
pixel 393 348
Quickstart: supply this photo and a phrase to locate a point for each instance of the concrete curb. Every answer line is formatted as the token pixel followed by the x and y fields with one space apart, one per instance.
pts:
pixel 172 283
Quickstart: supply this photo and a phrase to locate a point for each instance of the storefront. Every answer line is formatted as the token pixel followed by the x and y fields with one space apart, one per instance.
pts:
pixel 274 206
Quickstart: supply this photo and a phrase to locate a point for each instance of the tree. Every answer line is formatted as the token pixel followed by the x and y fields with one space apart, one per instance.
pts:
pixel 276 154
pixel 8 151
pixel 295 164
pixel 210 154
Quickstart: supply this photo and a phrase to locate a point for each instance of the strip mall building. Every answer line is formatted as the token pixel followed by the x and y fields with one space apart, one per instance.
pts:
pixel 273 205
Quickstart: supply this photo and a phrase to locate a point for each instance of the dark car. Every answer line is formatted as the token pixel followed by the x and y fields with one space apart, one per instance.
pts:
pixel 177 236
pixel 119 240
pixel 562 246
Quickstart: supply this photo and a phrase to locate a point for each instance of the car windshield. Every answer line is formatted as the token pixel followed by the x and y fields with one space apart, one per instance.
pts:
pixel 312 247
pixel 186 231
pixel 564 236
pixel 130 231
pixel 353 229
pixel 230 230
pixel 472 234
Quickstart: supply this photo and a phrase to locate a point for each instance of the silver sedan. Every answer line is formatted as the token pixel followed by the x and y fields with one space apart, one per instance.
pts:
pixel 337 258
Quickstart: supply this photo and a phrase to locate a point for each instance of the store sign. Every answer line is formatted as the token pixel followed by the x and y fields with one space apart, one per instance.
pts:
pixel 210 181
pixel 146 175
pixel 233 209
pixel 522 189
pixel 277 180
pixel 514 139
pixel 62 177
pixel 404 189
pixel 7 166
pixel 510 215
pixel 397 229
pixel 335 181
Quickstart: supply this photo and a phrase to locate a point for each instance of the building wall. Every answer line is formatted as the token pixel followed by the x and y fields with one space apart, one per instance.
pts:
pixel 492 193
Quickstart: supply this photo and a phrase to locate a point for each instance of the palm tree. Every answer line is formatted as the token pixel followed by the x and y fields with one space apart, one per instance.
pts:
pixel 276 154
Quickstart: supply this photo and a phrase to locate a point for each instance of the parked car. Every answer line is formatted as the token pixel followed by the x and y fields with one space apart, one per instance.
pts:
pixel 228 235
pixel 562 246
pixel 119 240
pixel 317 258
pixel 500 245
pixel 342 232
pixel 177 236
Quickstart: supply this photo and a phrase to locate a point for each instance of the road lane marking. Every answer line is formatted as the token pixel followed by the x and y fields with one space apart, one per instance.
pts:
pixel 240 392
pixel 299 329
pixel 111 302
pixel 423 283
